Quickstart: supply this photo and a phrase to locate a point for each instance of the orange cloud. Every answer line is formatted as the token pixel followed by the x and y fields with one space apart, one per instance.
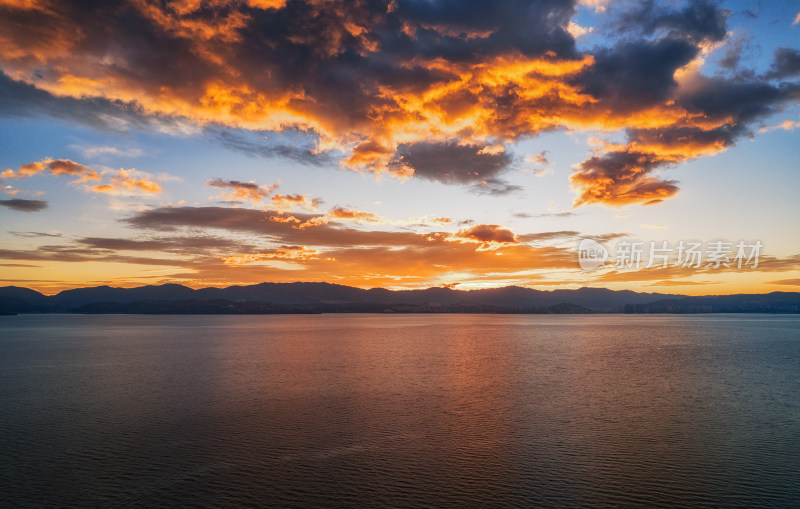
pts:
pixel 54 167
pixel 240 245
pixel 331 252
pixel 429 220
pixel 243 190
pixel 122 181
pixel 382 83
pixel 344 214
pixel 291 253
pixel 290 202
pixel 620 178
pixel 354 215
pixel 126 181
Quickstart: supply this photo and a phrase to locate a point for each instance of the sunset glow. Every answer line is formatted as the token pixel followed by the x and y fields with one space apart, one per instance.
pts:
pixel 405 144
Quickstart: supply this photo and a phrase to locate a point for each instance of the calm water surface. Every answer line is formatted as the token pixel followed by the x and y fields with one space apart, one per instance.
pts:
pixel 400 410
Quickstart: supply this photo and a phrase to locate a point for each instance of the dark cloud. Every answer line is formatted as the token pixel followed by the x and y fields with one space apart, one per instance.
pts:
pixel 248 220
pixel 636 74
pixel 624 174
pixel 270 225
pixel 740 101
pixel 22 205
pixel 399 87
pixel 181 251
pixel 66 167
pixel 444 27
pixel 786 63
pixel 699 20
pixel 750 14
pixel 734 50
pixel 451 162
pixel 183 245
pixel 299 146
pixel 67 253
pixel 19 99
pixel 330 62
pixel 234 184
pixel 489 233
pixel 687 137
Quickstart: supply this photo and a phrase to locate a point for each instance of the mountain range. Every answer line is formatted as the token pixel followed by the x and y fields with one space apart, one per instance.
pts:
pixel 325 297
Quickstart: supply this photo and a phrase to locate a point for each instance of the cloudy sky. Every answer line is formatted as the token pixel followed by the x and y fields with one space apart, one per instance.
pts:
pixel 400 144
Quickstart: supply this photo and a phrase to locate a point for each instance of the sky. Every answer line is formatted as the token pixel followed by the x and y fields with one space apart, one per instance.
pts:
pixel 401 144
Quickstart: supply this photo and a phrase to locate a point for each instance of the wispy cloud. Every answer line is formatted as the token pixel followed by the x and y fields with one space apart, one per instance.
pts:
pixel 34 234
pixel 784 282
pixel 494 187
pixel 527 215
pixel 91 152
pixel 291 202
pixel 238 190
pixel 127 182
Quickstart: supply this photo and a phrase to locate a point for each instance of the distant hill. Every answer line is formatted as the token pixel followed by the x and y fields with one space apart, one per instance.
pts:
pixel 777 302
pixel 332 298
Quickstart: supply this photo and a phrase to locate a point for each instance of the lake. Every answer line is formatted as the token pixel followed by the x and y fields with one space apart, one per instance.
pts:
pixel 400 410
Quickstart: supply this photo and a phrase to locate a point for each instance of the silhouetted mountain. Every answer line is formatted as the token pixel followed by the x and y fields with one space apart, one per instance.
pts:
pixel 15 299
pixel 599 299
pixel 288 293
pixel 332 298
pixel 776 302
pixel 17 292
pixel 70 299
